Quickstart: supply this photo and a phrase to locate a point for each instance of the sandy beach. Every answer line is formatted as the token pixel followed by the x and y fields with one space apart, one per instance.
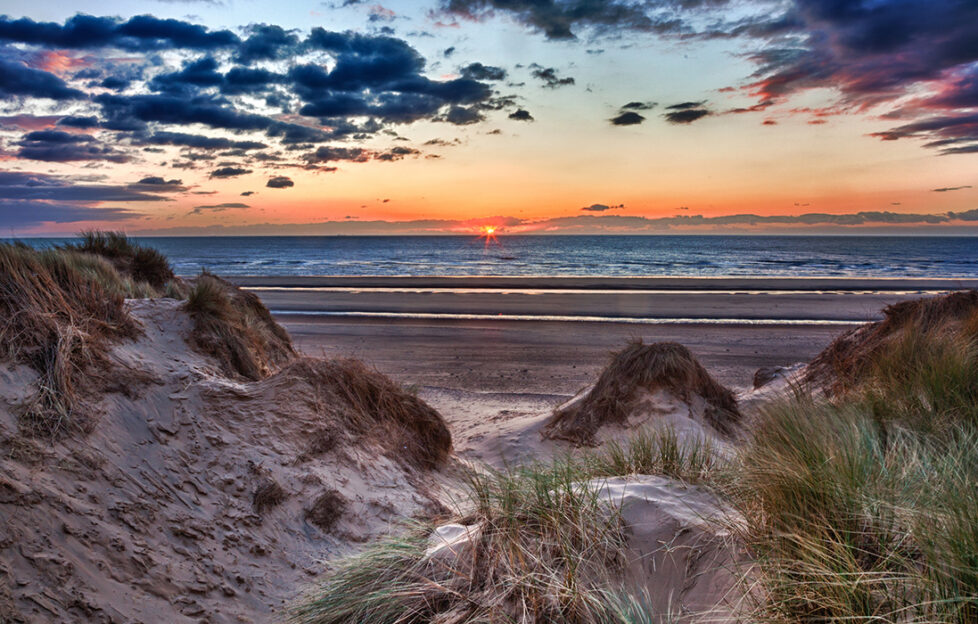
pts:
pixel 500 334
pixel 194 458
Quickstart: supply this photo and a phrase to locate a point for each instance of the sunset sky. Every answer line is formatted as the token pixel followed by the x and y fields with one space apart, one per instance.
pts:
pixel 433 116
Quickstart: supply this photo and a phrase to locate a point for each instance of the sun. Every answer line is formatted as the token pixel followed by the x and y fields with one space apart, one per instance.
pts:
pixel 488 232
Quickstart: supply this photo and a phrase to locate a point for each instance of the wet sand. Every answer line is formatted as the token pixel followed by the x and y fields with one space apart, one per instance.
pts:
pixel 416 329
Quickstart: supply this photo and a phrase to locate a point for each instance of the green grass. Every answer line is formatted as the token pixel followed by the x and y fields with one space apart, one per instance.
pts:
pixel 864 508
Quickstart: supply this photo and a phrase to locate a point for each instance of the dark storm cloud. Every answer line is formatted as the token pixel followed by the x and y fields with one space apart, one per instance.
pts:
pixel 550 78
pixel 279 182
pixel 138 34
pixel 629 118
pixel 16 79
pixel 229 172
pixel 521 115
pixel 478 71
pixel 59 146
pixel 266 42
pixel 198 141
pixel 132 111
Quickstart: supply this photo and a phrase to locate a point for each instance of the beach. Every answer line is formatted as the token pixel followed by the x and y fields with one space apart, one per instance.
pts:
pixel 551 336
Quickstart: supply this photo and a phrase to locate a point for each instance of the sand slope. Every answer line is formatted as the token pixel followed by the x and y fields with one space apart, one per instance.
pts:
pixel 153 516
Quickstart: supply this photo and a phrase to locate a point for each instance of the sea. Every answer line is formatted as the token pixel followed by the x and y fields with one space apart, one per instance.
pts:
pixel 587 256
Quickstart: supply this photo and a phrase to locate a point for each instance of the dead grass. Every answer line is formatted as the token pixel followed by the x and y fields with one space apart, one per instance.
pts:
pixel 376 408
pixel 662 365
pixel 268 494
pixel 59 319
pixel 847 362
pixel 326 510
pixel 235 327
pixel 141 264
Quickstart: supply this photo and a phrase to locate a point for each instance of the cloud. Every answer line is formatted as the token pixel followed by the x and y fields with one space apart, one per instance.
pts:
pixel 83 123
pixel 17 185
pixel 58 146
pixel 329 86
pixel 28 122
pixel 247 193
pixel 16 79
pixel 521 115
pixel 559 20
pixel 639 106
pixel 198 210
pixel 478 71
pixel 326 153
pixel 30 213
pixel 601 207
pixel 913 61
pixel 629 118
pixel 266 42
pixel 950 188
pixel 158 184
pixel 280 182
pixel 198 141
pixel 462 116
pixel 686 112
pixel 550 78
pixel 138 34
pixel 229 172
pixel 604 223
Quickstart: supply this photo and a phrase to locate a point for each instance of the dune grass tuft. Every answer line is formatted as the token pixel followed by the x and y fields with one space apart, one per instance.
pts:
pixel 375 407
pixel 665 365
pixel 60 311
pixel 236 328
pixel 141 264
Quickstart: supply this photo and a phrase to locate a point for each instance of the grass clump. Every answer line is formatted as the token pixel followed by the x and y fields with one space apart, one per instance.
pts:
pixel 141 264
pixel 61 310
pixel 236 328
pixel 543 548
pixel 861 503
pixel 267 495
pixel 373 406
pixel 662 365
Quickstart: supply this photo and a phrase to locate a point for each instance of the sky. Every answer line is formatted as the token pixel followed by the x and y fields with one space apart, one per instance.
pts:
pixel 184 117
